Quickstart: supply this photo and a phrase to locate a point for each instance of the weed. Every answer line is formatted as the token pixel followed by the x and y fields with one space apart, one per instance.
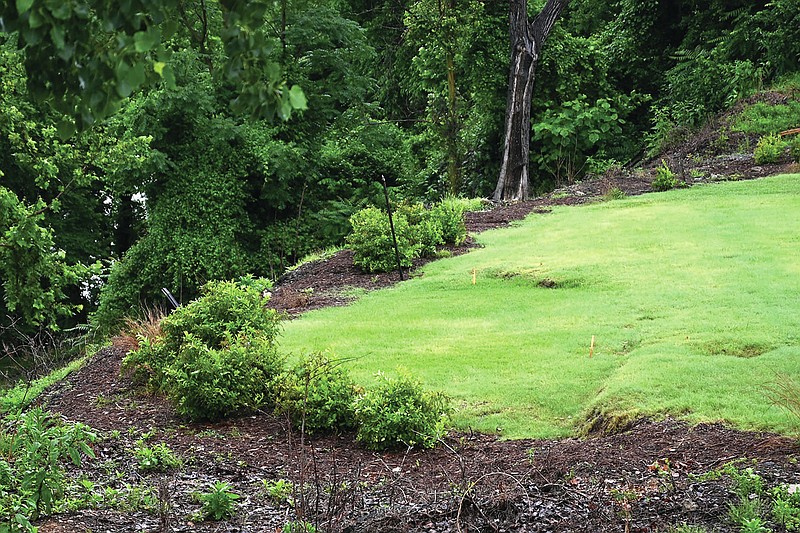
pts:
pixel 786 508
pixel 769 149
pixel 219 502
pixel 665 178
pixel 158 458
pixel 615 193
pixel 32 479
pixel 686 528
pixel 278 490
pixel 299 526
pixel 746 511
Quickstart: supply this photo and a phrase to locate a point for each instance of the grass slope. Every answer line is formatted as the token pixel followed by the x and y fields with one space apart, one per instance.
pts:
pixel 692 296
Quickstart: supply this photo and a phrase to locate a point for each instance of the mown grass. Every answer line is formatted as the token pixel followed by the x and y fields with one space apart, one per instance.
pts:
pixel 692 297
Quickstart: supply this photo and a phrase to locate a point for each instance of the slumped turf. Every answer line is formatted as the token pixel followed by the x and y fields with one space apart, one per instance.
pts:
pixel 692 296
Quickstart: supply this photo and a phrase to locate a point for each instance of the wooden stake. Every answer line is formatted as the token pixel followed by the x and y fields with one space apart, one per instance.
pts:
pixel 474 276
pixel 591 348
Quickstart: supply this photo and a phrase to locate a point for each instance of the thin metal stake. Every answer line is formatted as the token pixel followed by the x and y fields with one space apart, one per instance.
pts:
pixel 391 226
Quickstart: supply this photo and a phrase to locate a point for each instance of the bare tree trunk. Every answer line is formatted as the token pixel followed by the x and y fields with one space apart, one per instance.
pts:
pixel 526 43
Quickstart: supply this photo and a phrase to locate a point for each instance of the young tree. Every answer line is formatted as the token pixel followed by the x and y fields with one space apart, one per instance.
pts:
pixel 527 39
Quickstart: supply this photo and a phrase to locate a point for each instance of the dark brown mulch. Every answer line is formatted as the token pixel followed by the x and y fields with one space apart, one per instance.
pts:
pixel 640 480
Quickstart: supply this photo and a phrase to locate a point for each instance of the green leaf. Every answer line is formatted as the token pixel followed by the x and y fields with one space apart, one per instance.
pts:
pixel 23 6
pixel 144 41
pixel 65 129
pixel 297 98
pixel 57 34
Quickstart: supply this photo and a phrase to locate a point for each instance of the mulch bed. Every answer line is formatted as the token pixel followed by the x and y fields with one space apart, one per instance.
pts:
pixel 472 482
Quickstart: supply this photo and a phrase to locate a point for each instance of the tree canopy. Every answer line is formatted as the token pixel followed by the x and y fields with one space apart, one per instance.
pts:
pixel 171 143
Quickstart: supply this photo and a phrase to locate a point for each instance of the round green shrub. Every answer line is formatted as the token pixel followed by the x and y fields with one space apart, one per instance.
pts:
pixel 371 241
pixel 769 149
pixel 208 383
pixel 399 412
pixel 450 214
pixel 216 355
pixel 318 395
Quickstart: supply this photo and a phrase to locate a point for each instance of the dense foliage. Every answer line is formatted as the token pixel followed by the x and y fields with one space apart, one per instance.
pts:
pixel 399 412
pixel 199 156
pixel 217 354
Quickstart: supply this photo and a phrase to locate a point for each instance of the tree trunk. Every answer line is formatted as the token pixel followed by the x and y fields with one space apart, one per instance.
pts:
pixel 526 43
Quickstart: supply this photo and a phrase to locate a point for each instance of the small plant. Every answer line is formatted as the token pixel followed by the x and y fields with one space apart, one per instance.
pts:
pixel 786 508
pixel 318 394
pixel 397 412
pixel 278 490
pixel 158 458
pixel 299 526
pixel 686 528
pixel 32 475
pixel 665 178
pixel 615 193
pixel 219 502
pixel 768 149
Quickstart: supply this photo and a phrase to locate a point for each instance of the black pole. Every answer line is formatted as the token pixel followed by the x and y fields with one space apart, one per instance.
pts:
pixel 391 226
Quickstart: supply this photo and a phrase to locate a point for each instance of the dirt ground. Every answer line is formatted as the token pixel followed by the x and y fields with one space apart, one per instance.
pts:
pixel 641 480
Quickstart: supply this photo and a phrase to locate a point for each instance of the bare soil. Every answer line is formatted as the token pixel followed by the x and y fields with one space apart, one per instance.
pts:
pixel 641 480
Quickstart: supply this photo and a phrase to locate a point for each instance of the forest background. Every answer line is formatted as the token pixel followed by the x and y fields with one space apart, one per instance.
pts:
pixel 187 173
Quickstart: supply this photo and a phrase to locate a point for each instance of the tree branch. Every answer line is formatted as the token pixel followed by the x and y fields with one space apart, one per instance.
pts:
pixel 542 25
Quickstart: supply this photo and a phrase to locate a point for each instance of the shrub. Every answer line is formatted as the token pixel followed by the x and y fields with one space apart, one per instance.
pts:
pixel 217 354
pixel 318 394
pixel 210 384
pixel 424 226
pixel 769 149
pixel 371 241
pixel 450 213
pixel 400 412
pixel 794 148
pixel 665 178
pixel 32 477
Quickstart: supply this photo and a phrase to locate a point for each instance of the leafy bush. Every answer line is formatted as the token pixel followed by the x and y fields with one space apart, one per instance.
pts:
pixel 217 354
pixel 419 231
pixel 211 384
pixel 425 228
pixel 400 412
pixel 769 149
pixel 317 395
pixel 665 178
pixel 371 241
pixel 794 148
pixel 219 502
pixel 32 478
pixel 450 213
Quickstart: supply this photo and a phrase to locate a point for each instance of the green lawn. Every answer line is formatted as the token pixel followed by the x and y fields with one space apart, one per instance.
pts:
pixel 692 296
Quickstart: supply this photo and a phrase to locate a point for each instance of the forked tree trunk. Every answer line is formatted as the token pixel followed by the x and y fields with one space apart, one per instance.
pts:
pixel 526 44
